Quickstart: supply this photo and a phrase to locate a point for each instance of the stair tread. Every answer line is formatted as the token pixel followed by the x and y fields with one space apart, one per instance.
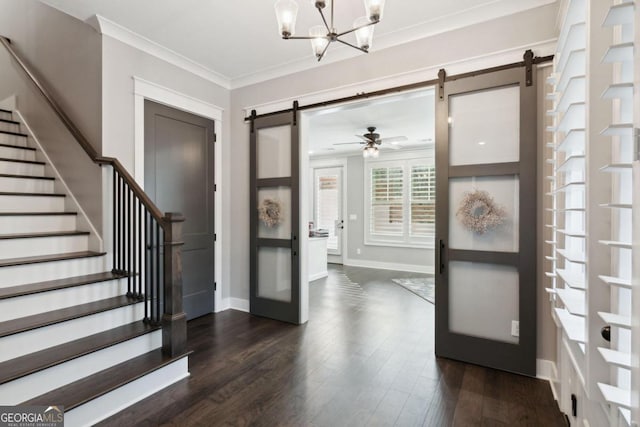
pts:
pixel 46 234
pixel 18 147
pixel 31 162
pixel 48 258
pixel 52 285
pixel 14 133
pixel 103 382
pixel 2 110
pixel 9 175
pixel 35 321
pixel 13 122
pixel 34 362
pixel 13 193
pixel 36 213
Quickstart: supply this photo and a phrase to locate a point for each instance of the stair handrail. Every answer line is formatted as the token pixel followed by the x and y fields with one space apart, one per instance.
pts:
pixel 172 317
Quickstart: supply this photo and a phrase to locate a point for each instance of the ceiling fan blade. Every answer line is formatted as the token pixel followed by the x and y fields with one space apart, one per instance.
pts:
pixel 393 139
pixel 394 146
pixel 364 138
pixel 349 143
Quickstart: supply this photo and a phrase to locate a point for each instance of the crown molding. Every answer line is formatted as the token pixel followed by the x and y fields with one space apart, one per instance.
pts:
pixel 109 28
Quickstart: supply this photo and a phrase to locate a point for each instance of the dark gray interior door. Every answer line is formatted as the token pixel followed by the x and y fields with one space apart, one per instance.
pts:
pixel 179 177
pixel 274 180
pixel 486 221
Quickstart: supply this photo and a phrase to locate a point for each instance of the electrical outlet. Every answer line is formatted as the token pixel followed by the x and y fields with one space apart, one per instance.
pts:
pixel 358 251
pixel 515 328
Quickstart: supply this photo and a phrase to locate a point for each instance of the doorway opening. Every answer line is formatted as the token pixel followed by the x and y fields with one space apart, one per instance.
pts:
pixel 371 189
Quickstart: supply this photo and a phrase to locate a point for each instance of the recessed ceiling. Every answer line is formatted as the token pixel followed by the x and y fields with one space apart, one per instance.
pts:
pixel 240 40
pixel 410 115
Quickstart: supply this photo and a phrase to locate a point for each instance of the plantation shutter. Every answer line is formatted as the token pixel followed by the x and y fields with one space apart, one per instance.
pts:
pixel 422 201
pixel 386 213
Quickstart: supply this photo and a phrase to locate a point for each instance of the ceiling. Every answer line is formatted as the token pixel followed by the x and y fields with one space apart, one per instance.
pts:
pixel 407 114
pixel 239 40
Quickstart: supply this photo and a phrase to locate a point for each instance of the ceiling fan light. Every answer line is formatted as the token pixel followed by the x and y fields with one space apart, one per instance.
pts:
pixel 319 39
pixel 374 9
pixel 375 152
pixel 364 35
pixel 286 13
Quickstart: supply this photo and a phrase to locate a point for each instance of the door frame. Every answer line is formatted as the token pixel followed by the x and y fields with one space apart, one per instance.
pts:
pixel 144 89
pixel 338 162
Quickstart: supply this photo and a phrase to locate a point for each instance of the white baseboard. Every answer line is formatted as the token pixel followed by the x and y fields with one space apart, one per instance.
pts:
pixel 427 269
pixel 547 370
pixel 221 304
pixel 318 276
pixel 239 304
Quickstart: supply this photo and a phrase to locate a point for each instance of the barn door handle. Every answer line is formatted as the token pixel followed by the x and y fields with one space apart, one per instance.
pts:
pixel 441 256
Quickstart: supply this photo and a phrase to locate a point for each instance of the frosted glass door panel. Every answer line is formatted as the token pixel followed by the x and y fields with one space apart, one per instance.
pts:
pixel 274 273
pixel 483 300
pixel 267 228
pixel 274 152
pixel 505 192
pixel 484 127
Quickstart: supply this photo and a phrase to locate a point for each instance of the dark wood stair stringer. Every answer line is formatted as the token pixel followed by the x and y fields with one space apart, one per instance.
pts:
pixel 25 365
pixel 84 390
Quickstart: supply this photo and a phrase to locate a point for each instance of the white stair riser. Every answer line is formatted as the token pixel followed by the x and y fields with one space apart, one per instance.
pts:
pixel 9 203
pixel 9 127
pixel 44 271
pixel 17 153
pixel 16 168
pixel 17 345
pixel 37 223
pixel 6 138
pixel 113 402
pixel 6 116
pixel 38 383
pixel 13 308
pixel 37 246
pixel 25 185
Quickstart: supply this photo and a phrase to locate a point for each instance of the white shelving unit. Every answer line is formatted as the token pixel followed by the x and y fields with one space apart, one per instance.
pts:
pixel 591 191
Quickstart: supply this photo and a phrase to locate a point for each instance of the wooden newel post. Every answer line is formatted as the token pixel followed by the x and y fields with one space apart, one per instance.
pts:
pixel 174 321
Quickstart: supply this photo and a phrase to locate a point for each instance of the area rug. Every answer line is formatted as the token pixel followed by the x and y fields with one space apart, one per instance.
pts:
pixel 424 287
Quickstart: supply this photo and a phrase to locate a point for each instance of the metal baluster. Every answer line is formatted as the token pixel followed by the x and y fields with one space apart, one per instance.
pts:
pixel 158 278
pixel 147 288
pixel 127 241
pixel 115 219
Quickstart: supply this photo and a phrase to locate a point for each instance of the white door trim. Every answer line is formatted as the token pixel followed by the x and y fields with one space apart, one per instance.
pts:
pixel 144 89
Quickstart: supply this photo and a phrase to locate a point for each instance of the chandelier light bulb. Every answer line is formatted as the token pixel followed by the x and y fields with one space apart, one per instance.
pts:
pixel 374 9
pixel 364 34
pixel 286 13
pixel 319 41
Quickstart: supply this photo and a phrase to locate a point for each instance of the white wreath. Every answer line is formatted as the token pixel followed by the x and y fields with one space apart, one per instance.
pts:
pixel 270 212
pixel 478 212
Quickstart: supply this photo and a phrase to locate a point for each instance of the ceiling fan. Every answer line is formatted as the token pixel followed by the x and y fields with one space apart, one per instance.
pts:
pixel 371 139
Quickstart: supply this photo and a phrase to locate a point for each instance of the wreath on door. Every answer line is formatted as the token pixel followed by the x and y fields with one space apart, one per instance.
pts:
pixel 270 212
pixel 479 213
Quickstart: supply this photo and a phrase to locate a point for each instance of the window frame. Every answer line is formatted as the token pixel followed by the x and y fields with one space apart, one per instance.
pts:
pixel 406 161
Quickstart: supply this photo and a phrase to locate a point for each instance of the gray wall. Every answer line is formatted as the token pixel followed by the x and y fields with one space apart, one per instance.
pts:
pixel 510 32
pixel 65 54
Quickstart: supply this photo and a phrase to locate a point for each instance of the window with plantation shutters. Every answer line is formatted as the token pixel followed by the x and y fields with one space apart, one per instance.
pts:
pixel 400 202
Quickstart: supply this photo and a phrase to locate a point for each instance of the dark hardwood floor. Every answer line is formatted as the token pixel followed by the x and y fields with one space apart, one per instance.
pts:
pixel 364 358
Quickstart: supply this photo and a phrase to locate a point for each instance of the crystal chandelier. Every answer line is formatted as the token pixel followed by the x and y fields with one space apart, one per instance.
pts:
pixel 321 36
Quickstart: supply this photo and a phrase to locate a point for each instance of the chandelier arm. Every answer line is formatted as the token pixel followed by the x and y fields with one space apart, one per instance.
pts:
pixel 332 26
pixel 324 20
pixel 353 46
pixel 304 38
pixel 357 28
pixel 324 51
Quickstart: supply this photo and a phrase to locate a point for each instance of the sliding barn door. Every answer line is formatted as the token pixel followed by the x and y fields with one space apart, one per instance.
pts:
pixel 275 245
pixel 486 221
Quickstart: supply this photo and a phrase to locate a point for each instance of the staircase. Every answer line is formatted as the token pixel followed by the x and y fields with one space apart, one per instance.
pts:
pixel 71 333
